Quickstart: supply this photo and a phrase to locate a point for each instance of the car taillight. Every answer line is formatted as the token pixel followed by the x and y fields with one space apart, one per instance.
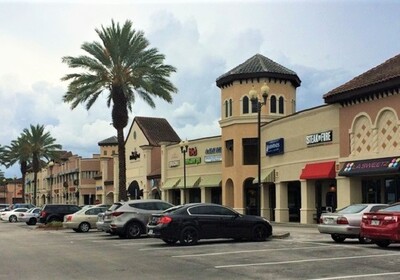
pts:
pixel 21 215
pixel 165 220
pixel 43 214
pixel 342 221
pixel 116 214
pixel 69 218
pixel 390 219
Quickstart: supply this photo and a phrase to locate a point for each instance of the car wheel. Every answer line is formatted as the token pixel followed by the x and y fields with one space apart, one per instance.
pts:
pixel 12 219
pixel 382 243
pixel 259 233
pixel 170 241
pixel 76 230
pixel 133 230
pixel 189 236
pixel 32 221
pixel 337 238
pixel 84 227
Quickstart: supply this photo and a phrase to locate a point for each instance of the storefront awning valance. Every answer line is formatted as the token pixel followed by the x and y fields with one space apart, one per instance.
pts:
pixel 319 170
pixel 267 176
pixel 171 183
pixel 210 181
pixel 191 182
pixel 371 166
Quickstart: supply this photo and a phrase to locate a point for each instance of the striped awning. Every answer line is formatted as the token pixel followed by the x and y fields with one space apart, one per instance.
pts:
pixel 267 176
pixel 212 180
pixel 191 182
pixel 171 183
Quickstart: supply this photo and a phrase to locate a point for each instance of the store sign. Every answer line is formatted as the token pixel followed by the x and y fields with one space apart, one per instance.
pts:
pixel 173 163
pixel 319 138
pixel 274 147
pixel 213 155
pixel 193 160
pixel 372 166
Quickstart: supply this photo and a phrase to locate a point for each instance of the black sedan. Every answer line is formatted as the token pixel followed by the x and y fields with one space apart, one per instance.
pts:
pixel 191 222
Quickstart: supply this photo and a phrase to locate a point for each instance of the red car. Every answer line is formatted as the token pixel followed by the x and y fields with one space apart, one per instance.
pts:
pixel 382 227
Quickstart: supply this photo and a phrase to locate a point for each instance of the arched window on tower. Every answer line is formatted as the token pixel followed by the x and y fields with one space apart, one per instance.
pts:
pixel 230 107
pixel 281 104
pixel 226 109
pixel 273 104
pixel 245 105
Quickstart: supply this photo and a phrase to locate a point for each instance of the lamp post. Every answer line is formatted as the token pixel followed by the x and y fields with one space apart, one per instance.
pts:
pixel 184 148
pixel 51 165
pixel 259 103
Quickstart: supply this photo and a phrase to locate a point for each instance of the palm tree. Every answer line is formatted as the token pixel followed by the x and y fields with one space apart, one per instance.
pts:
pixel 123 65
pixel 42 146
pixel 19 151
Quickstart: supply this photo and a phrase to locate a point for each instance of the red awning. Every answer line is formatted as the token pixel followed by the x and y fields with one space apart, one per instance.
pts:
pixel 320 170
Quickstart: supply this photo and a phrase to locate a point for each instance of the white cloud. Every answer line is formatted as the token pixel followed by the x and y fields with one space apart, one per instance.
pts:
pixel 326 43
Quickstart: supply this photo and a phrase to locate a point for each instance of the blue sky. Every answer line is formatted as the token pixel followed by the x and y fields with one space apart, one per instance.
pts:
pixel 326 43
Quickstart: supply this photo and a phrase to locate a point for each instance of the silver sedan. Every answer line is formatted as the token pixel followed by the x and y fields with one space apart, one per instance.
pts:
pixel 345 223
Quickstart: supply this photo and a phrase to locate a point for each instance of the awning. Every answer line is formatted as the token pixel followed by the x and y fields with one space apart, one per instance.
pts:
pixel 371 166
pixel 191 182
pixel 319 170
pixel 267 176
pixel 171 183
pixel 210 181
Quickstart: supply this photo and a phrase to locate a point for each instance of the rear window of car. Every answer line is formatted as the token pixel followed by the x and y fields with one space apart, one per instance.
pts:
pixel 114 207
pixel 352 209
pixel 393 208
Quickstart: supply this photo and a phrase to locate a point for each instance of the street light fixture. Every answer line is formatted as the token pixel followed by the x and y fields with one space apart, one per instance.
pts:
pixel 184 148
pixel 51 165
pixel 259 103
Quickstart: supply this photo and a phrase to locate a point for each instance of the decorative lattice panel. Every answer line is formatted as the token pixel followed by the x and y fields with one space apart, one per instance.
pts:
pixel 362 137
pixel 388 132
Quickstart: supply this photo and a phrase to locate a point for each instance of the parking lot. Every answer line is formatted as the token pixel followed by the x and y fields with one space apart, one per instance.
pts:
pixel 29 253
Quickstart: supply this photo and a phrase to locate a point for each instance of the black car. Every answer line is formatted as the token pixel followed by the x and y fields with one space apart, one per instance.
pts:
pixel 191 222
pixel 56 212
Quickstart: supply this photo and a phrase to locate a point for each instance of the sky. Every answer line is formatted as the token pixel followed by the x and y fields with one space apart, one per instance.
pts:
pixel 327 43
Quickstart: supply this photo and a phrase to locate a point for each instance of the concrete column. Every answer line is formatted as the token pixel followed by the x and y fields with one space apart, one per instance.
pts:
pixel 348 191
pixel 282 209
pixel 265 207
pixel 205 195
pixel 308 209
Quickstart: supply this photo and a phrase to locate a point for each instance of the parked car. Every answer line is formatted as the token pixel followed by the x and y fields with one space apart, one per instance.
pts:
pixel 84 219
pixel 191 222
pixel 103 222
pixel 382 227
pixel 12 215
pixel 21 205
pixel 345 223
pixel 130 220
pixel 56 212
pixel 4 207
pixel 30 217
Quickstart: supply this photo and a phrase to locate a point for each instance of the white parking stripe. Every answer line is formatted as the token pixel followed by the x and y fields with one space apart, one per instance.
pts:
pixel 250 251
pixel 305 260
pixel 358 276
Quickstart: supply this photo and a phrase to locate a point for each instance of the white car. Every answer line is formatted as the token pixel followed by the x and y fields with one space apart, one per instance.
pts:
pixel 30 217
pixel 12 215
pixel 83 220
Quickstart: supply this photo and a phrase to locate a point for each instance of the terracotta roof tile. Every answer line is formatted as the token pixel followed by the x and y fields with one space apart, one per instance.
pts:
pixel 157 130
pixel 258 66
pixel 377 77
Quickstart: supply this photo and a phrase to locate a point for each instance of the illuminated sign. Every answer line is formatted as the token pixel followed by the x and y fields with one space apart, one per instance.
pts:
pixel 319 138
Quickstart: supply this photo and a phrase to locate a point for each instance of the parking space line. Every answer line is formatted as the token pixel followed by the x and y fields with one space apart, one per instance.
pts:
pixel 305 260
pixel 248 251
pixel 358 276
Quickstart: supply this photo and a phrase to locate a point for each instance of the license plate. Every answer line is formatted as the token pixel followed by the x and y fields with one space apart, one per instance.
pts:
pixel 375 222
pixel 328 220
pixel 150 231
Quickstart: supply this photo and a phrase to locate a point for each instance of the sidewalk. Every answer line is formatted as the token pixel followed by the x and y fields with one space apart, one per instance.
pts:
pixel 284 230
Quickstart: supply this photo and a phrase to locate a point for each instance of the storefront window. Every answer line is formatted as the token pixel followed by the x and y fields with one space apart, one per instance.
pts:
pixel 392 190
pixel 371 191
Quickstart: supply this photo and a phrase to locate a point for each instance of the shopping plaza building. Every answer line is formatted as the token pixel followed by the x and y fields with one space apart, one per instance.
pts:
pixel 269 160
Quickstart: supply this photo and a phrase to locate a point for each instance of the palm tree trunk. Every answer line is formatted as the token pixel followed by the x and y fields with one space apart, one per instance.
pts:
pixel 121 166
pixel 34 187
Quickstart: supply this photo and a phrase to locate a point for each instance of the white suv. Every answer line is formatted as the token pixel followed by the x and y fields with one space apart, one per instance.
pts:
pixel 130 220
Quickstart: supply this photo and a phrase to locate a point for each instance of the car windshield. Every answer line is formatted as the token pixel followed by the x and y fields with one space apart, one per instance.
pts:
pixel 393 208
pixel 351 209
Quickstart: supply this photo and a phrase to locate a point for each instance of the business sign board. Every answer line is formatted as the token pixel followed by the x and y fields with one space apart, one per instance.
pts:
pixel 274 147
pixel 319 138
